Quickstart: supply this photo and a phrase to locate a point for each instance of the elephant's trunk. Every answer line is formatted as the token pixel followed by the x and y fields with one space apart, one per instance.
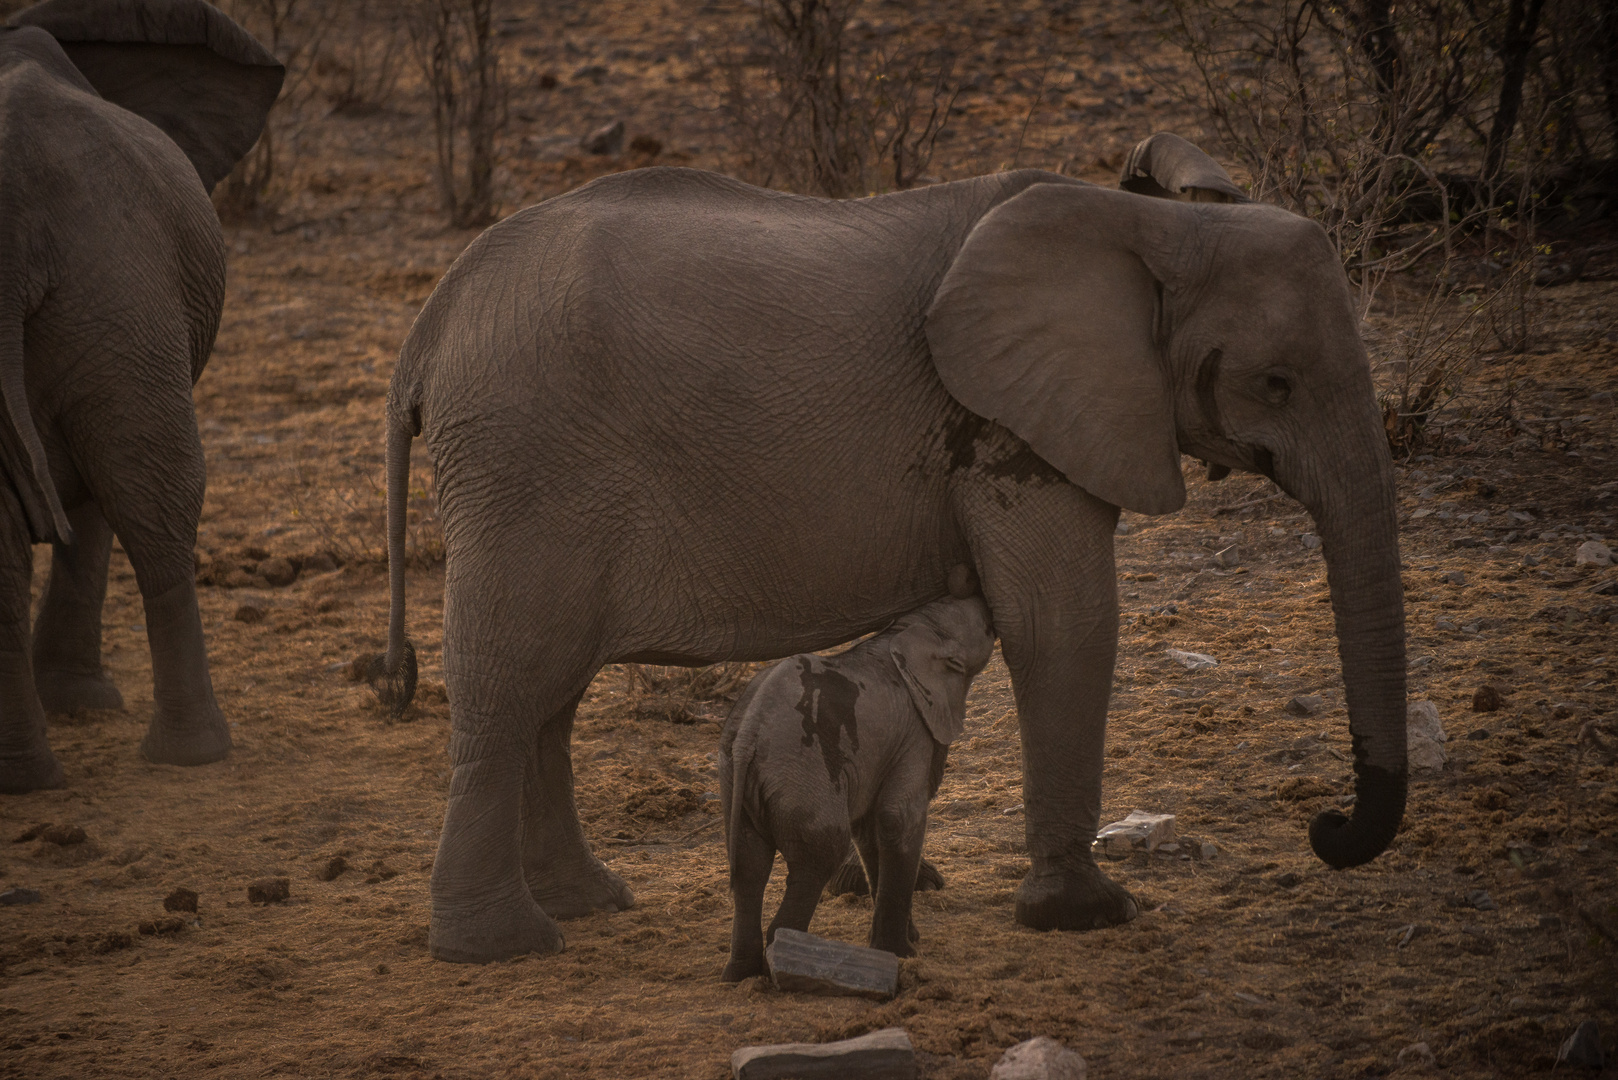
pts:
pixel 1358 525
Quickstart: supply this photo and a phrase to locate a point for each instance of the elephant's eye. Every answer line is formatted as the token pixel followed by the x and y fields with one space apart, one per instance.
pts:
pixel 1278 389
pixel 955 664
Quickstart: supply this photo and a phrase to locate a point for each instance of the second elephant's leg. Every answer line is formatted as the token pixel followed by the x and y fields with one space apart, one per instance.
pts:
pixel 1045 556
pixel 564 876
pixel 67 633
pixel 26 761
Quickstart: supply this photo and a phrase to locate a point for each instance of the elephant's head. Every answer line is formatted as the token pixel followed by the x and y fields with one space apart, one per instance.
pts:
pixel 1115 331
pixel 938 650
pixel 181 64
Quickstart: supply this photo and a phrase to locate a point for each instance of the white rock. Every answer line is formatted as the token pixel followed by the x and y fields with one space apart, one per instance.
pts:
pixel 1593 553
pixel 1040 1058
pixel 1424 736
pixel 1139 829
pixel 1310 540
pixel 1418 1054
pixel 1193 661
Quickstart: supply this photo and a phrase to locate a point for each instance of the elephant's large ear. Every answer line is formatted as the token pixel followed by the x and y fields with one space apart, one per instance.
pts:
pixel 933 668
pixel 182 64
pixel 1167 167
pixel 1048 322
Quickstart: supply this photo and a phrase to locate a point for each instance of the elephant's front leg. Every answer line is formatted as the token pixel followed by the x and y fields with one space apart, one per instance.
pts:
pixel 563 876
pixel 26 761
pixel 1045 556
pixel 67 634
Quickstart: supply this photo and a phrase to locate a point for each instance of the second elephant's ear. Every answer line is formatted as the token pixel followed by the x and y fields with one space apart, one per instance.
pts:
pixel 1168 167
pixel 181 64
pixel 1048 322
pixel 934 672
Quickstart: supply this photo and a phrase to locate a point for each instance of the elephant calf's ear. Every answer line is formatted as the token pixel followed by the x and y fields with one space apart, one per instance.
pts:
pixel 922 655
pixel 1168 167
pixel 181 64
pixel 1047 322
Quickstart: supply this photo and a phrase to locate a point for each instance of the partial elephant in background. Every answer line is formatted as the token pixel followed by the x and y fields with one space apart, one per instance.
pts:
pixel 678 419
pixel 117 118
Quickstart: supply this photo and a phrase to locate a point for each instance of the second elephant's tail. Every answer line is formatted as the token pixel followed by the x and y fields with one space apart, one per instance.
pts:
pixel 393 675
pixel 22 453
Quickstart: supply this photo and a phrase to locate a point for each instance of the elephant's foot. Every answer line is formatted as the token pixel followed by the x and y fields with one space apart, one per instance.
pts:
pixel 34 771
pixel 928 879
pixel 744 967
pixel 479 934
pixel 898 944
pixel 197 740
pixel 850 877
pixel 65 691
pixel 577 888
pixel 1069 896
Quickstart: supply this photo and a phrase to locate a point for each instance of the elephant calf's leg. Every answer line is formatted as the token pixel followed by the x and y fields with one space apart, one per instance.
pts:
pixel 67 634
pixel 898 855
pixel 850 877
pixel 810 864
pixel 26 761
pixel 751 859
pixel 564 877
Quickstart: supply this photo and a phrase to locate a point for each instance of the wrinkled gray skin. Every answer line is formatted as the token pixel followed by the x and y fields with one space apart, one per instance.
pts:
pixel 678 419
pixel 819 751
pixel 112 273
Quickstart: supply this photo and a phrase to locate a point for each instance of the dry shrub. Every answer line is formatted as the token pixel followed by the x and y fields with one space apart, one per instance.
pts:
pixel 821 104
pixel 358 69
pixel 349 512
pixel 454 45
pixel 679 694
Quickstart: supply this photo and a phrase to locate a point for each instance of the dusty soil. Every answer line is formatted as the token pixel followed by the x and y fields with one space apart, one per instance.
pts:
pixel 1252 961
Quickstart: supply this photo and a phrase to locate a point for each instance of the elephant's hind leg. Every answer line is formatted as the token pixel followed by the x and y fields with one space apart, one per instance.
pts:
pixel 811 862
pixel 26 761
pixel 67 633
pixel 563 876
pixel 751 859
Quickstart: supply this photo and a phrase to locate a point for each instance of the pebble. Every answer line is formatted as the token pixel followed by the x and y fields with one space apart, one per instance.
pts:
pixel 1486 699
pixel 1444 623
pixel 13 897
pixel 1305 705
pixel 1418 1054
pixel 1310 541
pixel 608 139
pixel 269 890
pixel 1453 577
pixel 1139 829
pixel 1593 553
pixel 1424 736
pixel 1583 1047
pixel 1208 851
pixel 1191 661
pixel 1481 900
pixel 1039 1058
pixel 1123 528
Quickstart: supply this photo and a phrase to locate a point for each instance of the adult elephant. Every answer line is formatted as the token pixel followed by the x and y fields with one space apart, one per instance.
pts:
pixel 677 419
pixel 116 119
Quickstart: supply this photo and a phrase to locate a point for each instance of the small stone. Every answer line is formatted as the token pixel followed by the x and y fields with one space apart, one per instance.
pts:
pixel 1424 736
pixel 269 890
pixel 1593 553
pixel 880 1055
pixel 1481 900
pixel 1207 851
pixel 810 964
pixel 1453 577
pixel 1465 542
pixel 1305 705
pixel 1418 1054
pixel 249 613
pixel 1039 1058
pixel 278 572
pixel 1139 829
pixel 63 835
pixel 1191 661
pixel 1287 880
pixel 1583 1047
pixel 1123 528
pixel 1486 699
pixel 1443 622
pixel 335 867
pixel 1310 541
pixel 181 900
pixel 608 139
pixel 318 563
pixel 1227 558
pixel 1478 735
pixel 19 895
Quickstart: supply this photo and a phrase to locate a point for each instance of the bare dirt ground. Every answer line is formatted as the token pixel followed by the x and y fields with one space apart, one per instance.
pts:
pixel 1255 962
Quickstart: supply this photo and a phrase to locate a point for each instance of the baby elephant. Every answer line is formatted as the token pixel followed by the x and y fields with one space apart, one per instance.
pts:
pixel 818 750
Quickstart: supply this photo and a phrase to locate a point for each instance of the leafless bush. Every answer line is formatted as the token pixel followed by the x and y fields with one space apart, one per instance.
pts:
pixel 359 67
pixel 293 30
pixel 817 107
pixel 349 513
pixel 455 47
pixel 678 694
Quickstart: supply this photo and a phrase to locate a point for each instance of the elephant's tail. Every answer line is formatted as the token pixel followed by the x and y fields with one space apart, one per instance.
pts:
pixel 393 675
pixel 22 452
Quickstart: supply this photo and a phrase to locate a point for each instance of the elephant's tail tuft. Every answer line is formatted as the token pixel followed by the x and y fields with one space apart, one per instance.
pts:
pixel 393 677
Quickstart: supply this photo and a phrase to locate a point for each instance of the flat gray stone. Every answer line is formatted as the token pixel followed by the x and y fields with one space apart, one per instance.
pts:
pixel 1039 1058
pixel 1138 830
pixel 1583 1047
pixel 12 897
pixel 814 965
pixel 1306 705
pixel 880 1055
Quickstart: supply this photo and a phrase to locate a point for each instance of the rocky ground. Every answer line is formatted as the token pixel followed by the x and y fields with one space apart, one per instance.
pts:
pixel 1486 934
